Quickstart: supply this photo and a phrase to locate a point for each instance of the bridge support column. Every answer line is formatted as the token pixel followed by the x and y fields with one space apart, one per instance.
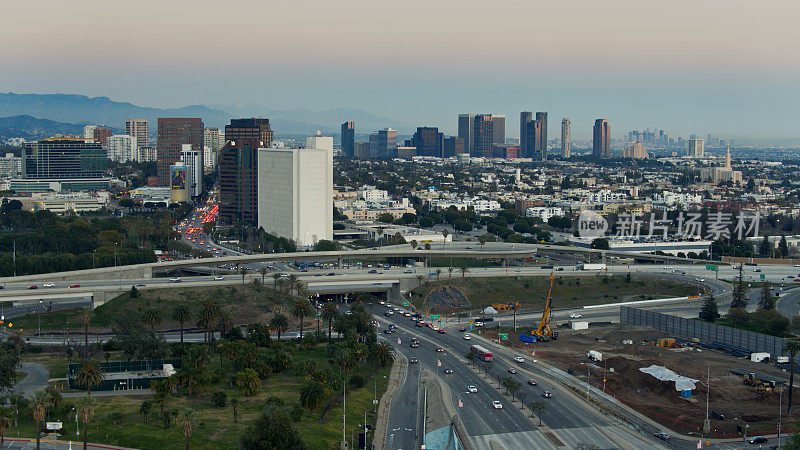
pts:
pixel 603 253
pixel 339 262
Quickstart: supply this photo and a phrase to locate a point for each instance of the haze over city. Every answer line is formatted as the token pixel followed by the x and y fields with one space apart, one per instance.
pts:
pixel 684 66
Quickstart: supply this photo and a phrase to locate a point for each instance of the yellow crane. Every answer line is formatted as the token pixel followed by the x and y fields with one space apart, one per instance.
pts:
pixel 543 332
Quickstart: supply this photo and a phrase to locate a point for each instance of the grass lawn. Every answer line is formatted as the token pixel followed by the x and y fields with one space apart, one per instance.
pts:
pixel 215 427
pixel 568 292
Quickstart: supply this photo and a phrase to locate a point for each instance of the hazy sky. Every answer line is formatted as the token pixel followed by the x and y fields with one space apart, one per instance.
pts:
pixel 728 67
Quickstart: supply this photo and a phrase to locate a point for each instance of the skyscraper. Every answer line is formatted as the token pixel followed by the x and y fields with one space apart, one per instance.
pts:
pixel 383 143
pixel 466 123
pixel 172 134
pixel 140 129
pixel 102 134
pixel 541 117
pixel 696 147
pixel 211 139
pixel 483 136
pixel 428 141
pixel 533 140
pixel 601 139
pixel 238 169
pixel 453 145
pixel 62 158
pixel 524 118
pixel 566 150
pixel 348 139
pixel 498 129
pixel 194 170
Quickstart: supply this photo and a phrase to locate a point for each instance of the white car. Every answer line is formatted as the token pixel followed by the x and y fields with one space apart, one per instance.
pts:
pixel 219 278
pixel 519 359
pixel 497 405
pixel 575 316
pixel 467 337
pixel 472 389
pixel 47 285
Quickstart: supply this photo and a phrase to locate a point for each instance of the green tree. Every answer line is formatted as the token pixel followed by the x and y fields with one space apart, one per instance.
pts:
pixel 181 314
pixel 330 312
pixel 414 244
pixel 445 233
pixel 234 405
pixel 86 316
pixel 302 309
pixel 709 312
pixel 481 241
pixel 312 393
pixel 511 386
pixel 263 271
pixel 765 249
pixel 134 293
pixel 382 353
pixel 144 409
pixel 248 381
pixel 438 273
pixel 738 317
pixel 600 244
pixel 279 322
pixel 152 317
pixel 791 346
pixel 243 273
pixel 5 424
pixel 39 413
pixel 783 246
pixel 538 407
pixel 464 270
pixel 273 429
pixel 738 301
pixel 275 277
pixel 187 418
pixel 324 245
pixel 765 302
pixel 90 375
pixel 85 411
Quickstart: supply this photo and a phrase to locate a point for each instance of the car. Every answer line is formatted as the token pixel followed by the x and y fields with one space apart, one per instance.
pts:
pixel 49 285
pixel 716 415
pixel 439 349
pixel 408 271
pixel 331 274
pixel 413 360
pixel 74 286
pixel 441 330
pixel 388 331
pixel 175 280
pixel 700 279
pixel 519 359
pixel 512 370
pixel 472 389
pixel 414 345
pixel 448 371
pixel 33 286
pixel 419 324
pixel 141 285
pixel 547 394
pixel 756 270
pixel 759 440
pixel 219 278
pixel 497 405
pixel 575 316
pixel 373 271
pixel 662 436
pixel 532 382
pixel 433 274
pixel 462 329
pixel 388 314
pixel 467 337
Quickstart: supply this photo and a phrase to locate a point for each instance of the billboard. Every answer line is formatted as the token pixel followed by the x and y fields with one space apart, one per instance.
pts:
pixel 178 178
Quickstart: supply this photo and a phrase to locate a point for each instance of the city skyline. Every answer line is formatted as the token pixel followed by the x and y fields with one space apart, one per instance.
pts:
pixel 700 79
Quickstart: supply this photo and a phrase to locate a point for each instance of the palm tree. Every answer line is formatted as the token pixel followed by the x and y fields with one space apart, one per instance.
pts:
pixel 280 323
pixel 312 393
pixel 380 233
pixel 538 407
pixel 445 233
pixel 39 412
pixel 302 309
pixel 248 381
pixel 208 318
pixel 90 375
pixel 438 272
pixel 144 409
pixel 275 277
pixel 414 244
pixel 5 424
pixel 419 280
pixel 382 353
pixel 234 405
pixel 86 413
pixel 791 346
pixel 152 317
pixel 293 283
pixel 450 273
pixel 87 317
pixel 187 416
pixel 329 313
pixel 481 241
pixel 181 314
pixel 464 270
pixel 263 271
pixel 243 272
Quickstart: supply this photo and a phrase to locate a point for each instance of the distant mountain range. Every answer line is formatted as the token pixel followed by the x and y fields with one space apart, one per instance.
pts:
pixel 30 128
pixel 71 109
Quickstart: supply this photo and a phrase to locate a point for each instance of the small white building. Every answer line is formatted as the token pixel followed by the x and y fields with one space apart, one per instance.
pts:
pixel 194 171
pixel 122 148
pixel 544 212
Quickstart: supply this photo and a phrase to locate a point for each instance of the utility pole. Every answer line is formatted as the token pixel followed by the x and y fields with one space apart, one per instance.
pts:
pixel 344 408
pixel 707 423
pixel 14 258
pixel 780 417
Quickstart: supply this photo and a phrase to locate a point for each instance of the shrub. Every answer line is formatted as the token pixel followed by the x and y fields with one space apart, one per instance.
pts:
pixel 357 381
pixel 219 399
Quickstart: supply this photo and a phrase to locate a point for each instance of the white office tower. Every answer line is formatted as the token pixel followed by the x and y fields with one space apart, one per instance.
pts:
pixel 319 142
pixel 209 159
pixel 566 149
pixel 122 148
pixel 88 131
pixel 194 170
pixel 295 193
pixel 696 148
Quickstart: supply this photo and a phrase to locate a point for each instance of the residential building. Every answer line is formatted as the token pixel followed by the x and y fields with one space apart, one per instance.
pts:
pixel 194 170
pixel 524 118
pixel 213 139
pixel 348 139
pixel 147 154
pixel 295 194
pixel 483 136
pixel 601 139
pixel 541 117
pixel 566 150
pixel 428 142
pixel 696 148
pixel 173 132
pixel 10 166
pixel 140 129
pixel 122 148
pixel 635 151
pixel 453 146
pixel 209 159
pixel 88 131
pixel 383 143
pixel 320 142
pixel 102 134
pixel 498 129
pixel 544 212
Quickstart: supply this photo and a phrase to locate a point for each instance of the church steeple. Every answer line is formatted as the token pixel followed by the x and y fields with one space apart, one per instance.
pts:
pixel 728 157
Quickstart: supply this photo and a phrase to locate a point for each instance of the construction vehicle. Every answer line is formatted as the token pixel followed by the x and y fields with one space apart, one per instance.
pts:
pixel 543 332
pixel 761 384
pixel 666 342
pixel 506 306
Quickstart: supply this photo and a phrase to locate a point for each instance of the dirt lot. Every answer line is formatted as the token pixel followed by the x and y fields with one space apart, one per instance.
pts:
pixel 659 400
pixel 458 294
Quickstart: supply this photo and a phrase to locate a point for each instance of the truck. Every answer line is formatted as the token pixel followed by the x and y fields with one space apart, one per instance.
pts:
pixel 759 357
pixel 594 355
pixel 592 266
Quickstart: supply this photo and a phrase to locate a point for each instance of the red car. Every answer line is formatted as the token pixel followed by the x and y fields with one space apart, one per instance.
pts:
pixel 74 286
pixel 441 330
pixel 33 286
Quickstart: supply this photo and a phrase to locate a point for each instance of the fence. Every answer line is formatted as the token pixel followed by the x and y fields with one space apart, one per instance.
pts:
pixel 704 331
pixel 125 374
